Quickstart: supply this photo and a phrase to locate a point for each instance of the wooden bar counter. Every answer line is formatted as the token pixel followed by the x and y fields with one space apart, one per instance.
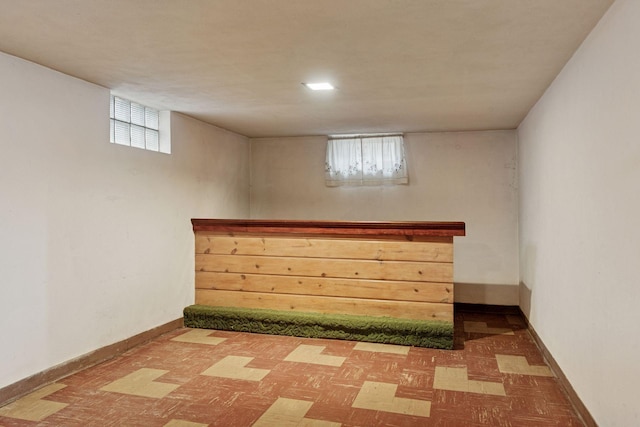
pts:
pixel 393 269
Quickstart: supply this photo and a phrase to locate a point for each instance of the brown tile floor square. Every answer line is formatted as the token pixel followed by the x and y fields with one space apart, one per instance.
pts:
pixel 325 378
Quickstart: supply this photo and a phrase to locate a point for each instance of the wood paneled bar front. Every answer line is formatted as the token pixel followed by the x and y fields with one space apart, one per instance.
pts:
pixel 391 269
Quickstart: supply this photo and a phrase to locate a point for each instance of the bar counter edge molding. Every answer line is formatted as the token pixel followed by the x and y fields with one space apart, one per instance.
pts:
pixel 399 228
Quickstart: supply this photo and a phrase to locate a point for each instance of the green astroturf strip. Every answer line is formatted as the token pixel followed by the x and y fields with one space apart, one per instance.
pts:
pixel 388 330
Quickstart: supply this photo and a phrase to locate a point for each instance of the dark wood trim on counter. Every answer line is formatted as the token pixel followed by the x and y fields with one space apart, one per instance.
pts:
pixel 392 228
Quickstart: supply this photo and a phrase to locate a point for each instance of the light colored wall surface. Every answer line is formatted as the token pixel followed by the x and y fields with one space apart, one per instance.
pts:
pixel 464 176
pixel 580 203
pixel 95 239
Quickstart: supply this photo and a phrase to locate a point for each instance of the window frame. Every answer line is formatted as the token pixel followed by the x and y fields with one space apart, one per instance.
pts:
pixel 135 125
pixel 366 159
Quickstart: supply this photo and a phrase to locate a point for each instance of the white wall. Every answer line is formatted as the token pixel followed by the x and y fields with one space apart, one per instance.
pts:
pixel 580 204
pixel 95 238
pixel 464 176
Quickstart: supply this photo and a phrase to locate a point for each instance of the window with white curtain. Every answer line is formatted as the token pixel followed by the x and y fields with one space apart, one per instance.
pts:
pixel 366 160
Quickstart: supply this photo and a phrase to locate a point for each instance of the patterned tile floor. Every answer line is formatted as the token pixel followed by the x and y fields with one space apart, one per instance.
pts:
pixel 496 376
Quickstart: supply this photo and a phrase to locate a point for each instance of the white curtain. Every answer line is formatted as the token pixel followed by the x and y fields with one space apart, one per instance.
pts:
pixel 366 160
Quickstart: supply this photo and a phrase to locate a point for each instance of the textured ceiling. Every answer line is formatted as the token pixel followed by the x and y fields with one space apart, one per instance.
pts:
pixel 399 65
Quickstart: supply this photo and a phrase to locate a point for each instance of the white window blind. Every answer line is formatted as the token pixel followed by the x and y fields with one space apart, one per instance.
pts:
pixel 135 125
pixel 366 160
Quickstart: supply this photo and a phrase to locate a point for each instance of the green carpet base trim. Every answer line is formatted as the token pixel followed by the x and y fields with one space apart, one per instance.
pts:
pixel 417 333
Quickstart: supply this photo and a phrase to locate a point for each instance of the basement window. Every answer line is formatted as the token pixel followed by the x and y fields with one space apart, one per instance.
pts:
pixel 365 160
pixel 135 125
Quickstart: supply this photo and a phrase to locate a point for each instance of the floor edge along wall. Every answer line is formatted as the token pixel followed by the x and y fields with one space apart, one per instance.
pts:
pixel 26 385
